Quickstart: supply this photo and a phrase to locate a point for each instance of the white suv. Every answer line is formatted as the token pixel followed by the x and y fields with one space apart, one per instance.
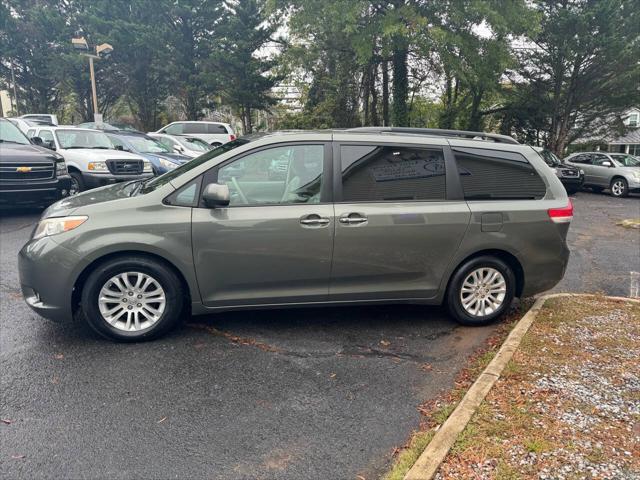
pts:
pixel 214 133
pixel 90 156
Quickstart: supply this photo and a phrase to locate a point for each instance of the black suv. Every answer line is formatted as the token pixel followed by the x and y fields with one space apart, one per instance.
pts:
pixel 571 177
pixel 29 174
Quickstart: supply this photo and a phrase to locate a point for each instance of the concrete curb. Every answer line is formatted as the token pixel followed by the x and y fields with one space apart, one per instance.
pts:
pixel 429 461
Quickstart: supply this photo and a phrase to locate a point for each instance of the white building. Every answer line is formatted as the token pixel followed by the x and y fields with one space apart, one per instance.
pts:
pixel 630 142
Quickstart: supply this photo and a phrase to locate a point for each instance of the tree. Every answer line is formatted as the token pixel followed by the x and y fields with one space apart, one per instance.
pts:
pixel 246 78
pixel 580 70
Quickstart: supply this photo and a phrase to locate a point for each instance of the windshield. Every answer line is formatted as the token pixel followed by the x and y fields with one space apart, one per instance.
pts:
pixel 157 182
pixel 10 133
pixel 144 144
pixel 550 158
pixel 195 144
pixel 625 160
pixel 72 138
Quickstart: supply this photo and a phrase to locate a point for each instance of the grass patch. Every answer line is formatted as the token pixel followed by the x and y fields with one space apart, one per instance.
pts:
pixel 409 455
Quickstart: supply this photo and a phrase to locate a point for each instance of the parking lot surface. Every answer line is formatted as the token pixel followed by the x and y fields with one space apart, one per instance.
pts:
pixel 304 393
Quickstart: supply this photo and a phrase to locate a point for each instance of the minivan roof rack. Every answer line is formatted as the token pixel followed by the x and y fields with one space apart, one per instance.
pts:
pixel 437 132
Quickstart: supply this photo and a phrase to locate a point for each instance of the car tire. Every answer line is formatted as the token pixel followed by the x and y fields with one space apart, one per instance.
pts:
pixel 76 182
pixel 619 187
pixel 480 291
pixel 151 291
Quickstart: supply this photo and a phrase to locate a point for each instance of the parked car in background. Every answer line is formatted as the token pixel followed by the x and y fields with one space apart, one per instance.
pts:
pixel 190 146
pixel 91 158
pixel 160 156
pixel 22 124
pixel 114 126
pixel 619 172
pixel 29 174
pixel 214 133
pixel 367 216
pixel 47 118
pixel 571 177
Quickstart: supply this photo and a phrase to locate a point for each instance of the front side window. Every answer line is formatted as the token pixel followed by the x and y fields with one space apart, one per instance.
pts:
pixel 282 175
pixel 47 136
pixel 175 129
pixel 376 173
pixel 584 158
pixel 493 178
pixel 598 160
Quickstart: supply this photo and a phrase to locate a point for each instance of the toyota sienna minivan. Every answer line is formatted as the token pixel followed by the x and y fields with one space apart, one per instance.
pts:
pixel 361 216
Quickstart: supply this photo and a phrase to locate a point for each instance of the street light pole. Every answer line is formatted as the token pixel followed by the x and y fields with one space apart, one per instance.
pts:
pixel 93 88
pixel 80 43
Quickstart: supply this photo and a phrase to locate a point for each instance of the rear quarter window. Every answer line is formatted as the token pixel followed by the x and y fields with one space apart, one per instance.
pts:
pixel 488 177
pixel 190 128
pixel 216 129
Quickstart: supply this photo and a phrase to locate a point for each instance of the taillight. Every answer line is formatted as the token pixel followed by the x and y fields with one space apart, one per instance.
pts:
pixel 561 215
pixel 232 138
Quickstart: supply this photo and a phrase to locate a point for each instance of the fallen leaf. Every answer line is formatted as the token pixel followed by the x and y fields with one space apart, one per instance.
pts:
pixel 6 421
pixel 17 457
pixel 59 356
pixel 384 343
pixel 360 477
pixel 161 420
pixel 427 367
pixel 333 375
pixel 55 380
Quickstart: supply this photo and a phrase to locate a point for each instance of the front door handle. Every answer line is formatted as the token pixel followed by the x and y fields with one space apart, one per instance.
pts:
pixel 314 220
pixel 352 219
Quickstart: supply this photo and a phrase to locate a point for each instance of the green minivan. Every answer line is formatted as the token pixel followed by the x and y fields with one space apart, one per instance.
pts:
pixel 360 216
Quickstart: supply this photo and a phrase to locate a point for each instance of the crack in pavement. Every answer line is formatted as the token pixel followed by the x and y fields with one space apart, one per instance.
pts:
pixel 356 351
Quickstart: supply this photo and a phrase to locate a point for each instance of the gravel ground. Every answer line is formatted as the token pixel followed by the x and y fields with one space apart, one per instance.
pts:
pixel 568 405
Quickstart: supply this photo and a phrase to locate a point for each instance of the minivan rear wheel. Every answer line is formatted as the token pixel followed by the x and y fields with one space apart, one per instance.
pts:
pixel 481 290
pixel 132 299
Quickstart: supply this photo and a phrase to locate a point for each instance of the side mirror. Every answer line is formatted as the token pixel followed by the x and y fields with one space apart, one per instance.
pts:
pixel 119 147
pixel 37 141
pixel 607 164
pixel 216 195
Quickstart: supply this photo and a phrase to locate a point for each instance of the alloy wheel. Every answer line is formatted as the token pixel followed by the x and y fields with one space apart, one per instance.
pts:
pixel 617 188
pixel 483 291
pixel 132 301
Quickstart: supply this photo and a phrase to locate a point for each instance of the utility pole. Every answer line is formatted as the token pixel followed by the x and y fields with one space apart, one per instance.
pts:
pixel 93 87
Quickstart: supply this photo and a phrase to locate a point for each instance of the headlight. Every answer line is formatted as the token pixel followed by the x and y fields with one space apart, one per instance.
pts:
pixel 98 167
pixel 61 169
pixel 167 164
pixel 147 167
pixel 55 225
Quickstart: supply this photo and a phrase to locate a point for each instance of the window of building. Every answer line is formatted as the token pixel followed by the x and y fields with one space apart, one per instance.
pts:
pixel 377 173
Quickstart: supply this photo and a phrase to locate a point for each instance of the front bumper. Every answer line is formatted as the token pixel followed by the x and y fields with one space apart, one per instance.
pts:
pixel 35 192
pixel 95 180
pixel 634 185
pixel 46 272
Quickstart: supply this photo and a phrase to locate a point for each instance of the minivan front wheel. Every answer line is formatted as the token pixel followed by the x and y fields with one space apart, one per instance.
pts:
pixel 132 299
pixel 481 290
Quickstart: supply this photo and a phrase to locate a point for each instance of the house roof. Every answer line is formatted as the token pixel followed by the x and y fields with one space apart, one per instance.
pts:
pixel 632 137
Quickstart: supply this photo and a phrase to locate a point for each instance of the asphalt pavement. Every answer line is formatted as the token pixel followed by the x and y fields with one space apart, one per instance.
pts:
pixel 280 394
